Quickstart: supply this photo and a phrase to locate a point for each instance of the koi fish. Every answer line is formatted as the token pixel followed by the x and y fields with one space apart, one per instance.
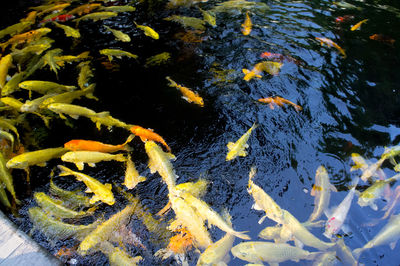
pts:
pixel 39 157
pixel 148 31
pixel 12 85
pixel 217 251
pixel 6 178
pixel 188 95
pixel 96 16
pixel 238 148
pixel 108 121
pixel 207 213
pixel 119 8
pixel 69 96
pixel 157 59
pixel 369 170
pixel 389 234
pixel 190 219
pixel 85 73
pixel 382 38
pixel 273 253
pixel 54 8
pixel 68 31
pixel 331 43
pixel 160 161
pixel 5 64
pixel 358 25
pixel 90 145
pixel 132 176
pixel 322 192
pixel 55 228
pixel 44 87
pixel 344 18
pixel 374 192
pixel 74 111
pixel 267 66
pixel 15 29
pixel 79 158
pixel 59 18
pixel 246 26
pixel 119 35
pixel 25 37
pixel 33 106
pixel 3 197
pixel 72 199
pixel 279 57
pixel 118 256
pixel 101 192
pixel 117 53
pixel 209 17
pixel 105 230
pixel 55 207
pixel 337 218
pixel 148 134
pixel 280 102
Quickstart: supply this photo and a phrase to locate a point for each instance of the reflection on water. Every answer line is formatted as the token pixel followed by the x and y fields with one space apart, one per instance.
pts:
pixel 350 105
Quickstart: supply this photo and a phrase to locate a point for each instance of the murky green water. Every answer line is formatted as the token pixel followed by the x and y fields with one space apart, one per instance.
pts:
pixel 349 105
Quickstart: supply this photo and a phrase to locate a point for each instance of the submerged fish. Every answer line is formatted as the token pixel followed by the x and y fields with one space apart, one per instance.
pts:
pixel 189 218
pixel 84 9
pixel 97 16
pixel 56 208
pixel 157 59
pixel 331 43
pixel 160 161
pixel 117 256
pixel 101 192
pixel 374 192
pixel 5 64
pixel 338 216
pixel 358 25
pixel 53 228
pixel 70 96
pixel 6 178
pixel 105 230
pixel 25 37
pixel 73 199
pixel 389 234
pixel 246 26
pixel 209 17
pixel 79 158
pixel 132 176
pixel 148 134
pixel 119 34
pixel 117 53
pixel 238 148
pixel 108 121
pixel 273 253
pixel 382 38
pixel 68 31
pixel 280 102
pixel 188 94
pixel 322 192
pixel 85 74
pixel 148 31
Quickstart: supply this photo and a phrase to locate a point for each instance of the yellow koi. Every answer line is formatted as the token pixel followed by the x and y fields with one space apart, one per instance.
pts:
pixel 132 176
pixel 246 26
pixel 101 192
pixel 5 64
pixel 117 53
pixel 358 25
pixel 238 148
pixel 148 31
pixel 96 16
pixel 74 111
pixel 119 35
pixel 39 157
pixel 68 31
pixel 331 43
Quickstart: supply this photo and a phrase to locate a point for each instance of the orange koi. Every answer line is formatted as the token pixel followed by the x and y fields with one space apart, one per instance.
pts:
pixel 246 26
pixel 148 134
pixel 280 102
pixel 331 43
pixel 279 57
pixel 382 38
pixel 182 242
pixel 358 25
pixel 188 95
pixel 267 66
pixel 90 145
pixel 25 37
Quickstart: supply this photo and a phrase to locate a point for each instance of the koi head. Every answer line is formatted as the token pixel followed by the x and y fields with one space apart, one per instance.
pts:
pixel 72 145
pixel 135 129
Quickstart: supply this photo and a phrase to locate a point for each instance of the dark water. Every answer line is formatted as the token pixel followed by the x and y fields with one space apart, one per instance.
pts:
pixel 349 105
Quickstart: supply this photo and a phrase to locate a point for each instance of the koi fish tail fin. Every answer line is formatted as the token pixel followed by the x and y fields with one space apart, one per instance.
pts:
pixel 172 83
pixel 90 90
pixel 241 235
pixel 167 147
pixel 245 71
pixel 120 157
pixel 64 170
pixel 103 114
pixel 3 46
pixel 125 145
